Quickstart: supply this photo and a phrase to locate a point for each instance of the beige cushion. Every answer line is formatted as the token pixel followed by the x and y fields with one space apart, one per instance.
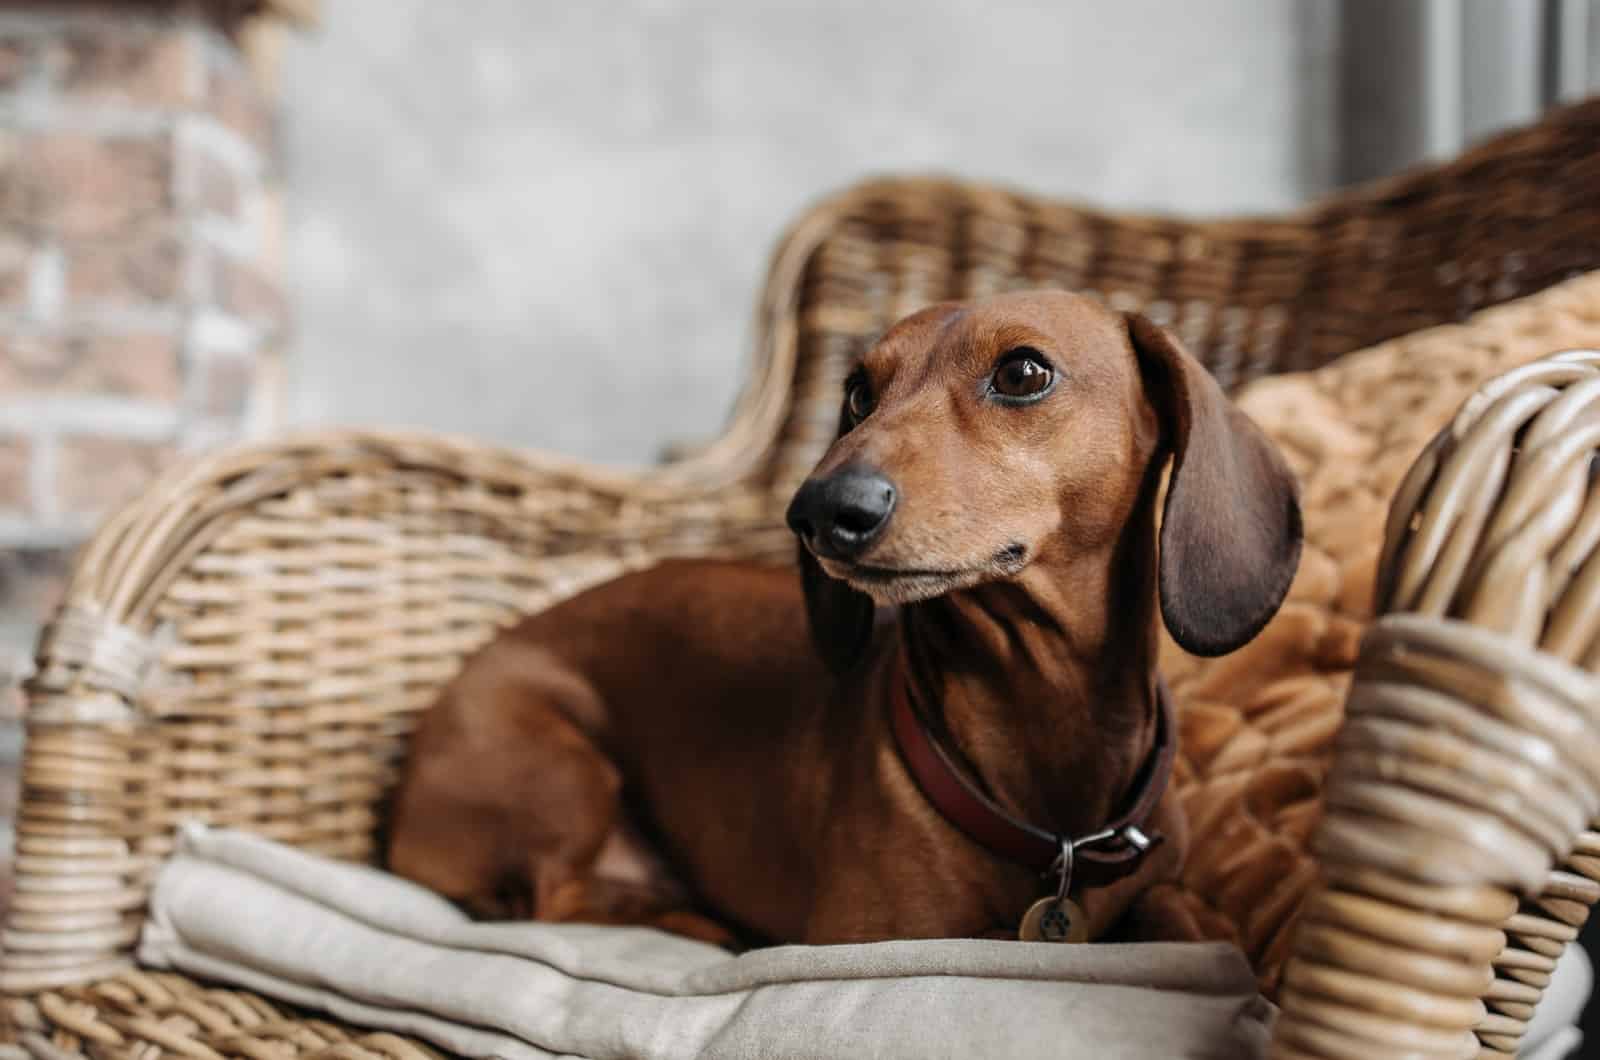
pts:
pixel 376 951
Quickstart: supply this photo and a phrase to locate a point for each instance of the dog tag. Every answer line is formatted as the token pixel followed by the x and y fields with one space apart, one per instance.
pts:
pixel 1054 920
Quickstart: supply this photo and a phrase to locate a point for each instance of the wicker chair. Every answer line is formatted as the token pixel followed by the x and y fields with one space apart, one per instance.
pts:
pixel 248 642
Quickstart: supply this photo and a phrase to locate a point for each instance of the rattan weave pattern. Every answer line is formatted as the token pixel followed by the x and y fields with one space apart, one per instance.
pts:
pixel 1259 727
pixel 1250 297
pixel 137 1015
pixel 1468 767
pixel 280 611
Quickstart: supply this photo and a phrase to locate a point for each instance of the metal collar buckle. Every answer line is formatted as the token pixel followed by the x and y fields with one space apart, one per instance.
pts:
pixel 1061 868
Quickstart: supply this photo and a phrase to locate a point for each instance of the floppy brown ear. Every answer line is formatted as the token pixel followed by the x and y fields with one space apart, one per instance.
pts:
pixel 1230 532
pixel 840 617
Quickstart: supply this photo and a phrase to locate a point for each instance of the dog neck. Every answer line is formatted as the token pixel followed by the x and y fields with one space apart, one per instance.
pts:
pixel 1051 702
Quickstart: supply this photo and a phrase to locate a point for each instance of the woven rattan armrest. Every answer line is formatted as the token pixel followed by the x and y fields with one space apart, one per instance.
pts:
pixel 247 642
pixel 1456 852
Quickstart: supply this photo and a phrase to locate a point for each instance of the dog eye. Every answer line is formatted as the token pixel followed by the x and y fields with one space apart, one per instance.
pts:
pixel 1022 374
pixel 858 400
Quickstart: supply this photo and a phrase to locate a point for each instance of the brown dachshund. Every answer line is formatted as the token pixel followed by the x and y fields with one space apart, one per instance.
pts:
pixel 670 748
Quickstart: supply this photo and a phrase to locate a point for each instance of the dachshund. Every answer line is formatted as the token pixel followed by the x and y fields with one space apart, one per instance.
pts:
pixel 973 735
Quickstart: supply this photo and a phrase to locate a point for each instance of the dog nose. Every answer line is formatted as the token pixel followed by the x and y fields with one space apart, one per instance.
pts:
pixel 840 515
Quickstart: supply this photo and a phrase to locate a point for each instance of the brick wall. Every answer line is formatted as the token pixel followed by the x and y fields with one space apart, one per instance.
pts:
pixel 140 314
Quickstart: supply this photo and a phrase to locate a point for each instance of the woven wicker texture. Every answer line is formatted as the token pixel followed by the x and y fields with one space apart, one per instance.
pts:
pixel 142 1014
pixel 1249 298
pixel 1258 725
pixel 1470 759
pixel 249 641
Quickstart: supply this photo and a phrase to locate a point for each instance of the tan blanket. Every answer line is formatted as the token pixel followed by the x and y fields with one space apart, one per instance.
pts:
pixel 375 950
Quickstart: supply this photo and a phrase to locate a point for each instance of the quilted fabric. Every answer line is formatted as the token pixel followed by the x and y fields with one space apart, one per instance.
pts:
pixel 1258 725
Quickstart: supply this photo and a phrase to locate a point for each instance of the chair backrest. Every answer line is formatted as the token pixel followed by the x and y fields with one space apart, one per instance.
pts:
pixel 1250 297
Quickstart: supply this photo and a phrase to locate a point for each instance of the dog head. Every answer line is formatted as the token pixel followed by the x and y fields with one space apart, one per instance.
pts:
pixel 977 439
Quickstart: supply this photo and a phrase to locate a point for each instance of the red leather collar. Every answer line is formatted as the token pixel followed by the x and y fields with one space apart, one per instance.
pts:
pixel 1097 862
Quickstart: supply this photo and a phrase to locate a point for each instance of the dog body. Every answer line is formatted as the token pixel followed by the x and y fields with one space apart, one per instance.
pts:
pixel 670 748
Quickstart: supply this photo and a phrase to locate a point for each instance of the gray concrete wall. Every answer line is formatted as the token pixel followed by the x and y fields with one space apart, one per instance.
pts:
pixel 546 224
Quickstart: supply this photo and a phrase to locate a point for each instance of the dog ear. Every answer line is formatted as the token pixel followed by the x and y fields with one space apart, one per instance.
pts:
pixel 840 617
pixel 1230 531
